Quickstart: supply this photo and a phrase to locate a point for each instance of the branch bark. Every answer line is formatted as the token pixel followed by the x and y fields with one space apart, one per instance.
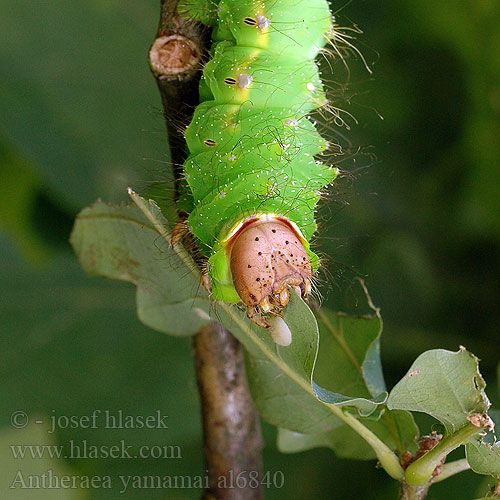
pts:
pixel 176 58
pixel 408 492
pixel 231 426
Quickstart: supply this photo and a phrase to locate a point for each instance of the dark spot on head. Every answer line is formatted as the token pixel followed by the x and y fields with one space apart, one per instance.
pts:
pixel 252 296
pixel 257 279
pixel 287 261
pixel 249 266
pixel 256 238
pixel 291 255
pixel 260 253
pixel 303 258
pixel 273 230
pixel 286 242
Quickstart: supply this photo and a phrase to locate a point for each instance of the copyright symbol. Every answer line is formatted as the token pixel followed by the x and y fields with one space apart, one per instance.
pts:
pixel 19 419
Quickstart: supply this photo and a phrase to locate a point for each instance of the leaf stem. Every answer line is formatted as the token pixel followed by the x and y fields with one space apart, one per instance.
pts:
pixel 420 471
pixel 451 469
pixel 388 460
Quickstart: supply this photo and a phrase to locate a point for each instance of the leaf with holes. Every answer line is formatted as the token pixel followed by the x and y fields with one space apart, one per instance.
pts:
pixel 483 452
pixel 446 385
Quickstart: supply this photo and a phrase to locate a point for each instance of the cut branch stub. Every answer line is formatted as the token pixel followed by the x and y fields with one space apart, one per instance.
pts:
pixel 174 54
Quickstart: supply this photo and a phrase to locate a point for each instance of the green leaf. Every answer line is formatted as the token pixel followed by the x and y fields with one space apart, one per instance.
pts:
pixel 349 363
pixel 348 444
pixel 484 458
pixel 343 441
pixel 349 357
pixel 446 385
pixel 366 407
pixel 280 377
pixel 404 430
pixel 121 243
pixel 128 243
pixel 483 452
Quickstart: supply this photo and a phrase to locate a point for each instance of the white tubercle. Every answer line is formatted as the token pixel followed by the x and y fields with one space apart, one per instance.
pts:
pixel 279 331
pixel 262 22
pixel 244 80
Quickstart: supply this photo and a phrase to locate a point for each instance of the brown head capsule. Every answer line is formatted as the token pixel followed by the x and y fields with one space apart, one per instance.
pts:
pixel 267 258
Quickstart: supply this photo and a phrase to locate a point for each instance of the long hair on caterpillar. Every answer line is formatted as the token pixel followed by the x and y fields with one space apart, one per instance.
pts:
pixel 257 165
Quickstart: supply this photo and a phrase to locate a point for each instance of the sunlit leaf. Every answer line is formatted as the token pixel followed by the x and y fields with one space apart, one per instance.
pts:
pixel 20 475
pixel 20 183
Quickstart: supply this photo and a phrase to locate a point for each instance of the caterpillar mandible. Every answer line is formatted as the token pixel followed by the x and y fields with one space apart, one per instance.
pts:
pixel 252 172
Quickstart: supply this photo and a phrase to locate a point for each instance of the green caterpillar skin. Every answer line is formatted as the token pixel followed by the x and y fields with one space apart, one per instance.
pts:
pixel 250 141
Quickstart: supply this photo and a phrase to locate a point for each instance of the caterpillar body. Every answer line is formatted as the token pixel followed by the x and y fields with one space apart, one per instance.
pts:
pixel 252 170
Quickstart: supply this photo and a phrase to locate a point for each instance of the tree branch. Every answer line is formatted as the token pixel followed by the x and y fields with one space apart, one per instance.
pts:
pixel 232 436
pixel 176 59
pixel 231 425
pixel 408 492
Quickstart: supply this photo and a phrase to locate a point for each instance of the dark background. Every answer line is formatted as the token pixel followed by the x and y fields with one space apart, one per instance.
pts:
pixel 416 214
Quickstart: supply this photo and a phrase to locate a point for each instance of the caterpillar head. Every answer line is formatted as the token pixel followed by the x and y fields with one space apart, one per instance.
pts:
pixel 268 259
pixel 259 261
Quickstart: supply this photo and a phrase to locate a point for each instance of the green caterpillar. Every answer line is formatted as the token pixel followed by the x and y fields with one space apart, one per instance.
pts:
pixel 252 149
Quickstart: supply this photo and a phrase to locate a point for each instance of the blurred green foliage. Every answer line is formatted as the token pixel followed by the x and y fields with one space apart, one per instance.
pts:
pixel 80 113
